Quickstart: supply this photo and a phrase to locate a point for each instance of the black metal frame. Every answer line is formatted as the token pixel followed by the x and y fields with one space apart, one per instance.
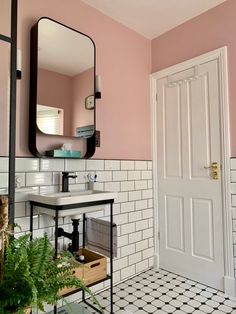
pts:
pixel 5 38
pixel 33 129
pixel 57 208
pixel 12 119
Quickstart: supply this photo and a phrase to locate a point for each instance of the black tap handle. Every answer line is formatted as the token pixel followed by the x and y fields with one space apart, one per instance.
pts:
pixel 66 174
pixel 73 177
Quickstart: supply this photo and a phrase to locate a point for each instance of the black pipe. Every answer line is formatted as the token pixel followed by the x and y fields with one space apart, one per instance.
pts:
pixel 73 236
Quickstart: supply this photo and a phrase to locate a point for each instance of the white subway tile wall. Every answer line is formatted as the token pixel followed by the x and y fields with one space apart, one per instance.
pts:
pixel 27 164
pixel 133 209
pixel 233 203
pixel 3 180
pixel 4 162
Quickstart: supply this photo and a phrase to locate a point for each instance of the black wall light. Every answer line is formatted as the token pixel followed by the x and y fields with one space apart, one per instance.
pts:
pixel 18 69
pixel 98 94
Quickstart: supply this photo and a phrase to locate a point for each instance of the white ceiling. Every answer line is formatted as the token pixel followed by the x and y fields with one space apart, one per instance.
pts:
pixel 152 18
pixel 63 50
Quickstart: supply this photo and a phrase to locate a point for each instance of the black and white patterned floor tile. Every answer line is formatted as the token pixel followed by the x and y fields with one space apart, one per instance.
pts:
pixel 161 292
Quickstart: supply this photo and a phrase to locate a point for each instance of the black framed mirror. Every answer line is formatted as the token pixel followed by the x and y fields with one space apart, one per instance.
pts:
pixel 62 90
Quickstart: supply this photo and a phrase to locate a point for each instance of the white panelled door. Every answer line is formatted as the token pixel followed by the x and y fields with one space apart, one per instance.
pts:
pixel 189 192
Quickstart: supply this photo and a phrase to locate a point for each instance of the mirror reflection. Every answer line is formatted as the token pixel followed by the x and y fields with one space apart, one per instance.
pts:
pixel 5 53
pixel 5 17
pixel 65 87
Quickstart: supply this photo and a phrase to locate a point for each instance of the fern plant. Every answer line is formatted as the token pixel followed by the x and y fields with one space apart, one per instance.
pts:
pixel 32 276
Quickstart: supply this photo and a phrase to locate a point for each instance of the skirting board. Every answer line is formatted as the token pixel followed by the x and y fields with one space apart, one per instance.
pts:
pixel 156 261
pixel 230 286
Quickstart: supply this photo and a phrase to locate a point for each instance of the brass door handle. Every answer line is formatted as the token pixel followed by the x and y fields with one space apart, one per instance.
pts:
pixel 215 169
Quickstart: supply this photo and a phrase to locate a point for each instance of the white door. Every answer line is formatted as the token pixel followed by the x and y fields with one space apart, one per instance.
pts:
pixel 189 199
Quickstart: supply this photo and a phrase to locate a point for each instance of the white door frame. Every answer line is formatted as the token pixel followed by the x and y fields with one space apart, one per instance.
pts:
pixel 221 55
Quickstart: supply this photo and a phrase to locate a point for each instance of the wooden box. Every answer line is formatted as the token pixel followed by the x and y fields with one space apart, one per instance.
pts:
pixel 94 269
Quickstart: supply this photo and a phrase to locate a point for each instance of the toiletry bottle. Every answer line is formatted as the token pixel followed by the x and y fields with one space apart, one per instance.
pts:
pixel 81 259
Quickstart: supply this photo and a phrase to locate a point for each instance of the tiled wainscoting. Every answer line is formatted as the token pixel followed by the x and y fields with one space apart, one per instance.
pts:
pixel 133 209
pixel 233 201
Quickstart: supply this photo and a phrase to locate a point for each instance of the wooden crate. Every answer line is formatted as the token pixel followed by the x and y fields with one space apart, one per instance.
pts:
pixel 94 269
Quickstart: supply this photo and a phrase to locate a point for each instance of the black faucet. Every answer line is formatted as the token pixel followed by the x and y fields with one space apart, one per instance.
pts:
pixel 65 180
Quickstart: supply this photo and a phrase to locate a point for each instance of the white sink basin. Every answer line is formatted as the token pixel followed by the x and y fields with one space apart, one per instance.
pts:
pixel 69 198
pixel 74 197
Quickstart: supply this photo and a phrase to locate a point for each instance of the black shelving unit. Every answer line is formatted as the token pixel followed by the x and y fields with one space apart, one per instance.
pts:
pixel 57 209
pixel 12 40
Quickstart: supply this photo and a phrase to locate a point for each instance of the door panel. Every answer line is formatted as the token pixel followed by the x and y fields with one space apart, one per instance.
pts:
pixel 202 238
pixel 174 223
pixel 172 133
pixel 189 200
pixel 198 107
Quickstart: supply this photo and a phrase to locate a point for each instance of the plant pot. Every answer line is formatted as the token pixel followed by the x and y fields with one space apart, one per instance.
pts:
pixel 26 311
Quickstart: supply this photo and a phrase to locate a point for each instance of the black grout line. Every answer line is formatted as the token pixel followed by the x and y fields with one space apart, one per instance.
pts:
pixel 186 301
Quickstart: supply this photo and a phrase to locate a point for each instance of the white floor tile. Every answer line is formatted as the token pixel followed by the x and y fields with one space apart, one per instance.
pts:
pixel 160 292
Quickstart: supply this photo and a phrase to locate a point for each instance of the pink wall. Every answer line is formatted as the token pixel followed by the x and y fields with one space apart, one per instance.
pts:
pixel 56 90
pixel 58 95
pixel 5 17
pixel 124 63
pixel 67 93
pixel 210 30
pixel 4 97
pixel 82 87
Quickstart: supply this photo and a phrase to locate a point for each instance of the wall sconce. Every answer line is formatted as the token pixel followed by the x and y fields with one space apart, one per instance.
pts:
pixel 98 94
pixel 18 66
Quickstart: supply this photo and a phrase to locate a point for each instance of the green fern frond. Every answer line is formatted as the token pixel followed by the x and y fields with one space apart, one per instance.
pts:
pixel 40 252
pixel 32 276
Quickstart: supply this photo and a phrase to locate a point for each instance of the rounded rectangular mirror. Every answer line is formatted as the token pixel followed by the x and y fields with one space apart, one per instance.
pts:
pixel 62 90
pixel 65 80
